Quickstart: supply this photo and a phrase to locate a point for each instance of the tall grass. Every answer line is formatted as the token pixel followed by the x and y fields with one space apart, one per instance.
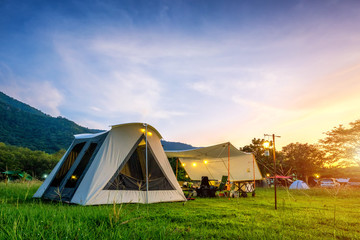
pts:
pixel 312 214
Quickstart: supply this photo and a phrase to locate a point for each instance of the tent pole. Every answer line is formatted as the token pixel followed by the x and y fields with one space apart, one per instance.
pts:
pixel 254 173
pixel 274 156
pixel 229 167
pixel 275 180
pixel 177 164
pixel 146 164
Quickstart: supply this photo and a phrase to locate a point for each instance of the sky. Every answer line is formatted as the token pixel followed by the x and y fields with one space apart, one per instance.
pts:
pixel 200 72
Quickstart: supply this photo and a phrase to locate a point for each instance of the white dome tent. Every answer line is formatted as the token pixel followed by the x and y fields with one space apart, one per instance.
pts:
pixel 126 164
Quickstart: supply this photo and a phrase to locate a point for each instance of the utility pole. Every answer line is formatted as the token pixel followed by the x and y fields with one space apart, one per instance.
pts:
pixel 274 156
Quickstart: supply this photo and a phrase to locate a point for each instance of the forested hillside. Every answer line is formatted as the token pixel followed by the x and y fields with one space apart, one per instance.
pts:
pixel 25 126
pixel 22 125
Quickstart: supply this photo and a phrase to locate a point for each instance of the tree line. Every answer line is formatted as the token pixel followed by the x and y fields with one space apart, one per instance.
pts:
pixel 333 155
pixel 35 163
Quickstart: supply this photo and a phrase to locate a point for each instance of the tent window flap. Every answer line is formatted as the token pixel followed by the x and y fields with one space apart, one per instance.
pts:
pixel 81 167
pixel 70 159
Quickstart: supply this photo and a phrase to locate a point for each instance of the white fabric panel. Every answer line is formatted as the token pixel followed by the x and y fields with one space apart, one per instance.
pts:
pixel 111 196
pixel 241 163
pixel 50 177
pixel 140 125
pixel 164 163
pixel 117 145
pixel 241 168
pixel 112 153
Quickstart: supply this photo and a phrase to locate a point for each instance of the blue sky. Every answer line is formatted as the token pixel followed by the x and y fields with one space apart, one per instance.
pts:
pixel 201 72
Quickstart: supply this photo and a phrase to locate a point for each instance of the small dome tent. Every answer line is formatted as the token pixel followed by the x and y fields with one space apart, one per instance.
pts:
pixel 298 184
pixel 125 164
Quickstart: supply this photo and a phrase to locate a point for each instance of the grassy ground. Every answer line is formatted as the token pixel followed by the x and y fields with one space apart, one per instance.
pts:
pixel 312 214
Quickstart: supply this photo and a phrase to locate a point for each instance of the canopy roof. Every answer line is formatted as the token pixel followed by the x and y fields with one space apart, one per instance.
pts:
pixel 212 161
pixel 216 151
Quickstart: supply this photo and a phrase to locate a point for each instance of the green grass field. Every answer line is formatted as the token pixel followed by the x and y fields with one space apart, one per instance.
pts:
pixel 312 214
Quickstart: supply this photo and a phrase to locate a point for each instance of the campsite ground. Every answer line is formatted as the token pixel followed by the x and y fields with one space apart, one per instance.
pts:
pixel 311 214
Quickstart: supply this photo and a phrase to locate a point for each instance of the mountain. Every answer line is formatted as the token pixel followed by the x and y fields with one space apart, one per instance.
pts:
pixel 23 125
pixel 175 146
pixel 5 99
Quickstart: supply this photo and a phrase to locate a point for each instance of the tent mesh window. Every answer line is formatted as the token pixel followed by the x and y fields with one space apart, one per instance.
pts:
pixel 81 167
pixel 132 175
pixel 67 164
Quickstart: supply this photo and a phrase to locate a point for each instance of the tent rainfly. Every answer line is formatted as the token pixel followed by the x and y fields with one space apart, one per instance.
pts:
pixel 126 164
pixel 213 162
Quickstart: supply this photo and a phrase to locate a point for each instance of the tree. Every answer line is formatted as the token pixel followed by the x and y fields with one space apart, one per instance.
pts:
pixel 304 159
pixel 342 145
pixel 265 163
pixel 181 176
pixel 35 163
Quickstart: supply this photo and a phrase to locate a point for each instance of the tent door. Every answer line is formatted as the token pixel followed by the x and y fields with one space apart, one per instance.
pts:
pixel 131 174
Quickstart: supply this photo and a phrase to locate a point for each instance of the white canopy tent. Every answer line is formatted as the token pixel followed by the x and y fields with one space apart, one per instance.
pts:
pixel 214 162
pixel 123 165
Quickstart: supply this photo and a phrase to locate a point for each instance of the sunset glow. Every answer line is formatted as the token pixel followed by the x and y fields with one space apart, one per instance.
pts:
pixel 201 72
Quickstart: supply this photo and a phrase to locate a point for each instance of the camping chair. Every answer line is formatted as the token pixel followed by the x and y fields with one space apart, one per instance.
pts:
pixel 205 189
pixel 223 183
pixel 246 187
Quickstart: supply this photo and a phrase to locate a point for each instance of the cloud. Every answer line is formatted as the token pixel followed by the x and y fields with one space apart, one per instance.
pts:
pixel 40 94
pixel 110 78
pixel 231 73
pixel 142 76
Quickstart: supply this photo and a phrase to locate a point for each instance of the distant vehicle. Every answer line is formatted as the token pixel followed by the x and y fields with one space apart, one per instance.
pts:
pixel 354 183
pixel 329 183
